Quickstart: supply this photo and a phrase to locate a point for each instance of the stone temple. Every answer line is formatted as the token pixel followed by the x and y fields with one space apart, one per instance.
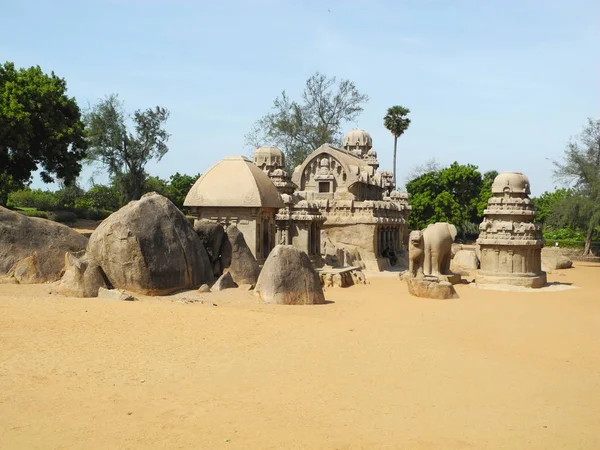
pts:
pixel 510 241
pixel 336 206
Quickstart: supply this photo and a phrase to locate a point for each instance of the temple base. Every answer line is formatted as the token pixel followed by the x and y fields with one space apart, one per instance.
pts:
pixel 537 280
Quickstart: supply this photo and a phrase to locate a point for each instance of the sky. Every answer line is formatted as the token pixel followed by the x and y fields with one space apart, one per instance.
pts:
pixel 499 84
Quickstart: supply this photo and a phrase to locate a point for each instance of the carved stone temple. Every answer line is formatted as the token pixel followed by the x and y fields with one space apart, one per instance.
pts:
pixel 510 241
pixel 335 203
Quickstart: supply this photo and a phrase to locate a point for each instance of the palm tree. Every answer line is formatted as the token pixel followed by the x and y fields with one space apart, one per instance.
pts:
pixel 397 122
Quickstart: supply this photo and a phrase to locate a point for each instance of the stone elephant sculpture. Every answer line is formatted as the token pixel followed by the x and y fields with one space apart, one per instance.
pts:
pixel 430 250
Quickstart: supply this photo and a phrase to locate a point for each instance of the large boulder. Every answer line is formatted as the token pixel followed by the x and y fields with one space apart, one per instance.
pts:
pixel 82 278
pixel 464 262
pixel 211 235
pixel 33 249
pixel 237 258
pixel 288 278
pixel 149 247
pixel 553 259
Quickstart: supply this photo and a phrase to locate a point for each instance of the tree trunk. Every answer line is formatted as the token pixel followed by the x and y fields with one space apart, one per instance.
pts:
pixel 395 146
pixel 587 249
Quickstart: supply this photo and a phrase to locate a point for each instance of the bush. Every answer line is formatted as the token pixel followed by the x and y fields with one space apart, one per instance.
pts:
pixel 99 197
pixel 33 198
pixel 564 234
pixel 33 213
pixel 63 216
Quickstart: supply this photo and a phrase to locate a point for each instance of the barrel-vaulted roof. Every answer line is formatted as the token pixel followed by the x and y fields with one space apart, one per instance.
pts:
pixel 234 182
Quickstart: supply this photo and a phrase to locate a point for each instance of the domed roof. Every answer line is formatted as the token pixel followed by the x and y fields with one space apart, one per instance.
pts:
pixel 358 137
pixel 372 153
pixel 268 155
pixel 511 182
pixel 234 182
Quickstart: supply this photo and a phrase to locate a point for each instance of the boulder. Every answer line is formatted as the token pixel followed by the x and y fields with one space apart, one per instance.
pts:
pixel 21 237
pixel 553 259
pixel 82 278
pixel 114 294
pixel 237 258
pixel 225 281
pixel 211 235
pixel 464 262
pixel 149 247
pixel 288 278
pixel 204 289
pixel 430 287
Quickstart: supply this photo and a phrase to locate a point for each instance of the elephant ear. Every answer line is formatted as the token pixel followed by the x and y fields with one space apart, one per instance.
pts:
pixel 452 230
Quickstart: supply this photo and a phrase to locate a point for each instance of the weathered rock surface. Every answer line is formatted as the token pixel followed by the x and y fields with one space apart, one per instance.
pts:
pixel 288 278
pixel 553 259
pixel 211 235
pixel 204 289
pixel 241 264
pixel 430 287
pixel 22 236
pixel 114 294
pixel 82 278
pixel 464 262
pixel 225 281
pixel 148 246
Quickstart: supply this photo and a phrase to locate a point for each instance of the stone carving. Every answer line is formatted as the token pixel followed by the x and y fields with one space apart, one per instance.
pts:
pixel 429 256
pixel 510 242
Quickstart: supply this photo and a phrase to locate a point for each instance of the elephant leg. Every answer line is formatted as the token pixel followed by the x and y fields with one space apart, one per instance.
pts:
pixel 445 267
pixel 435 264
pixel 427 263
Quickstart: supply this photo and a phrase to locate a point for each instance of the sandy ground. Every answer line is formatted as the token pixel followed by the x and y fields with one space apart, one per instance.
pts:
pixel 373 369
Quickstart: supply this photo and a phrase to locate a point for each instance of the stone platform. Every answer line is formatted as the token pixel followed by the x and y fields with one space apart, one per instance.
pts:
pixel 431 287
pixel 525 280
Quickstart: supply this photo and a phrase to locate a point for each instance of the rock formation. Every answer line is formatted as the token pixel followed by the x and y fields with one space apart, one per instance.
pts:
pixel 82 278
pixel 510 241
pixel 149 247
pixel 225 281
pixel 554 259
pixel 35 248
pixel 464 262
pixel 288 278
pixel 237 258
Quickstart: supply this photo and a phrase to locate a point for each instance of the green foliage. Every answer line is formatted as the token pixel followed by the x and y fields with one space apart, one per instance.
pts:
pixel 40 127
pixel 456 194
pixel 580 168
pixel 100 197
pixel 123 153
pixel 31 212
pixel 156 184
pixel 33 198
pixel 179 186
pixel 546 204
pixel 564 233
pixel 298 128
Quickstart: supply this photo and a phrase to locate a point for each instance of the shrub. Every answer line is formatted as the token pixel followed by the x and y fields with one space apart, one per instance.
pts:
pixel 564 234
pixel 63 216
pixel 33 213
pixel 99 197
pixel 33 198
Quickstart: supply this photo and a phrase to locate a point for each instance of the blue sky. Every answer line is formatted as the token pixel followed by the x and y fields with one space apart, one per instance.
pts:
pixel 502 85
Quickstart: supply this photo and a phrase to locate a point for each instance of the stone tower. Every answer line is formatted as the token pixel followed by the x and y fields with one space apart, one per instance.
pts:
pixel 510 241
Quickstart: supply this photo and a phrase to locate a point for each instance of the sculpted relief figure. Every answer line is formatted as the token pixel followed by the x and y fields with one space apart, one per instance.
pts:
pixel 430 250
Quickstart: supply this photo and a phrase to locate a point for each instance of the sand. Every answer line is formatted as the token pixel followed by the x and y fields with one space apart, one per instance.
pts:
pixel 373 369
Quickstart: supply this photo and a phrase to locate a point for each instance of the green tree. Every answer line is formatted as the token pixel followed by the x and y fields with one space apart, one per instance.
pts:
pixel 455 194
pixel 40 128
pixel 397 122
pixel 179 186
pixel 122 153
pixel 100 197
pixel 546 204
pixel 299 127
pixel 580 170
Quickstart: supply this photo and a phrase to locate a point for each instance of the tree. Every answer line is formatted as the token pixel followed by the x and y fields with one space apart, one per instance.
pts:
pixel 179 186
pixel 40 127
pixel 298 128
pixel 397 122
pixel 125 154
pixel 580 170
pixel 546 205
pixel 456 194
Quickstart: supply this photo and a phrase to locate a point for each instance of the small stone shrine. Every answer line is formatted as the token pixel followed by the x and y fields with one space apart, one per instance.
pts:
pixel 510 241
